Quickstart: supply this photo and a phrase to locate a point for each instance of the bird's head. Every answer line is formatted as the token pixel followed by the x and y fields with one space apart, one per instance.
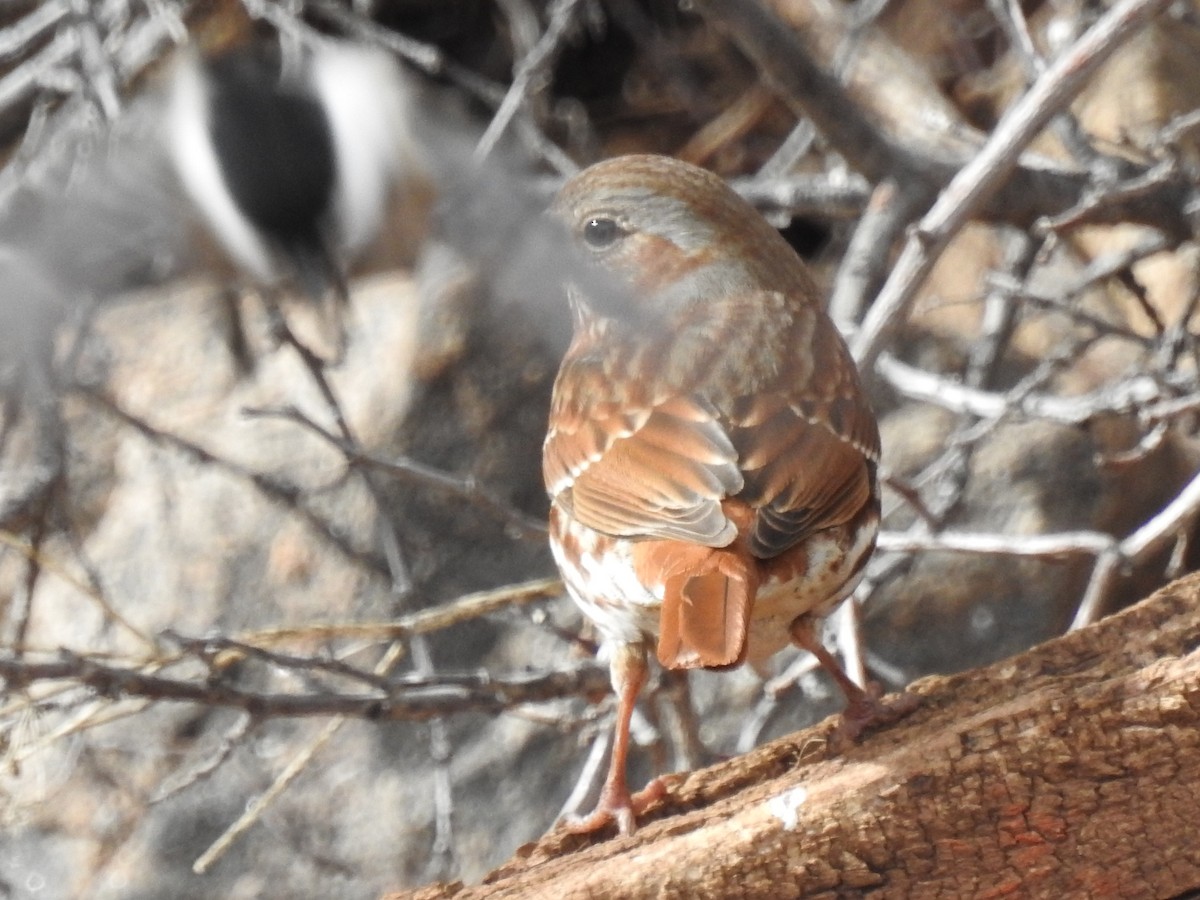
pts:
pixel 677 236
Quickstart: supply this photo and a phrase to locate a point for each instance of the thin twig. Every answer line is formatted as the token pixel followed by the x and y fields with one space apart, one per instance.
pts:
pixel 409 699
pixel 283 494
pixel 417 473
pixel 980 177
pixel 530 75
pixel 49 564
pixel 465 608
pixel 1119 397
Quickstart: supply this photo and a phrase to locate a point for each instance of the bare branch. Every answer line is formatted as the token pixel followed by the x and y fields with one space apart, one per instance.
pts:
pixel 416 473
pixel 1122 397
pixel 982 176
pixel 531 74
pixel 465 608
pixel 413 699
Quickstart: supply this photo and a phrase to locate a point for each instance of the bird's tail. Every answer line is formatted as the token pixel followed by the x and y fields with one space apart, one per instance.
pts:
pixel 707 600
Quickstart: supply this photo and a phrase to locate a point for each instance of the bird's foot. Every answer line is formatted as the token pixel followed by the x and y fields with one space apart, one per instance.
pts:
pixel 618 807
pixel 869 708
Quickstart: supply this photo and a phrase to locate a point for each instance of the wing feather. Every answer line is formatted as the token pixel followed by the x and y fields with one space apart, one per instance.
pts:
pixel 808 449
pixel 664 479
pixel 798 447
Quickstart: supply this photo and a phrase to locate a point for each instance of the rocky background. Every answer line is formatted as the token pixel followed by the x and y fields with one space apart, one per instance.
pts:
pixel 206 593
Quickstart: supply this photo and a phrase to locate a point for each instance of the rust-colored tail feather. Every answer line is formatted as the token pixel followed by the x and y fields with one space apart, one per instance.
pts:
pixel 706 613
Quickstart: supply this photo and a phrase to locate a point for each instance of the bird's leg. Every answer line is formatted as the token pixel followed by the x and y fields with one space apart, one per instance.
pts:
pixel 277 325
pixel 616 803
pixel 864 707
pixel 234 324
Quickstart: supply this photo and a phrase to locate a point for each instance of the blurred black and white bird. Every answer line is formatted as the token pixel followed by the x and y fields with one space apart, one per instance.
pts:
pixel 290 157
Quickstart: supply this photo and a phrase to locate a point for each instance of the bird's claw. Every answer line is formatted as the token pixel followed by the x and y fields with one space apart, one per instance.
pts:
pixel 620 808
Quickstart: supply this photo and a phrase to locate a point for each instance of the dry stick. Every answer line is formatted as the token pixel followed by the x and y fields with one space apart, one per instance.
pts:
pixel 729 125
pixel 21 610
pixel 1122 397
pixel 26 32
pixel 1129 396
pixel 860 120
pixel 1060 301
pixel 855 121
pixel 27 78
pixel 468 607
pixel 1178 127
pixel 1044 546
pixel 410 700
pixel 1110 554
pixel 144 41
pixel 794 147
pixel 441 854
pixel 218 651
pixel 96 64
pixel 401 584
pixel 1164 410
pixel 592 773
pixel 1147 444
pixel 1136 548
pixel 843 196
pixel 439 741
pixel 948 473
pixel 1015 400
pixel 1105 266
pixel 294 767
pixel 168 16
pixel 1000 311
pixel 465 608
pixel 868 255
pixel 50 565
pixel 1011 18
pixel 179 781
pixel 94 715
pixel 682 722
pixel 1143 184
pixel 788 66
pixel 965 436
pixel 983 175
pixel 388 538
pixel 403 468
pixel 288 496
pixel 536 64
pixel 48 72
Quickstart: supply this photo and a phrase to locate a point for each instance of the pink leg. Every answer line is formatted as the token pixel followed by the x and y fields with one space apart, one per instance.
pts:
pixel 864 708
pixel 616 803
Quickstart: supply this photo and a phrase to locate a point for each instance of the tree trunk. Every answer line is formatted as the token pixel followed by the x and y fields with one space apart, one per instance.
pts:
pixel 1072 770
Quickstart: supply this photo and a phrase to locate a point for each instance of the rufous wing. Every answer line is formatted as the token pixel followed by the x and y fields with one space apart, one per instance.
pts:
pixel 659 473
pixel 808 451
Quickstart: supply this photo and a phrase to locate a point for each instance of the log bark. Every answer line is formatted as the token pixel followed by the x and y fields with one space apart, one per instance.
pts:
pixel 1072 770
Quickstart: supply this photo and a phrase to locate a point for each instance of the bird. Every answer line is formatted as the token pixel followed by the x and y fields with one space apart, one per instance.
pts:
pixel 288 158
pixel 711 455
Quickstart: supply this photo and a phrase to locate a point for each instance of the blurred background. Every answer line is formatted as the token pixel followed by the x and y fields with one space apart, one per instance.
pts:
pixel 277 616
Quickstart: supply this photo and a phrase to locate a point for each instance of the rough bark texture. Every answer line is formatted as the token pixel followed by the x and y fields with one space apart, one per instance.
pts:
pixel 1072 770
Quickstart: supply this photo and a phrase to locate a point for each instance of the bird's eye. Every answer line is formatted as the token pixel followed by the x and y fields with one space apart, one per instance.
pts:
pixel 600 233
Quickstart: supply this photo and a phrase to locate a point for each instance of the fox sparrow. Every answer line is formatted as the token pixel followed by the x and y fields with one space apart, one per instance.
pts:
pixel 711 455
